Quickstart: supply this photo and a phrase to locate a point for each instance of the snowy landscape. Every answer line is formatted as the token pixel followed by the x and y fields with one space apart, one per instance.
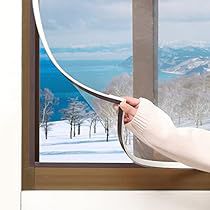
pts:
pixel 75 127
pixel 183 93
pixel 59 148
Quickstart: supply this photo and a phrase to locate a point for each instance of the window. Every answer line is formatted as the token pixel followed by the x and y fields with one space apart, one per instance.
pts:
pixel 184 62
pixel 92 40
pixel 38 174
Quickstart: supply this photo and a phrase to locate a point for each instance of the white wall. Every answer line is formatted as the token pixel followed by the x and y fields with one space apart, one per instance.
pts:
pixel 10 99
pixel 10 145
pixel 116 200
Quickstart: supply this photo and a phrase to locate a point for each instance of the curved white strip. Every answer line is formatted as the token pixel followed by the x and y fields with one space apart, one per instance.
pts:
pixel 154 163
pixel 110 98
pixel 151 163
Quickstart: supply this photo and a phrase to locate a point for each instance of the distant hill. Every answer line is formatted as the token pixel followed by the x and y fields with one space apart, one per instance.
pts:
pixel 194 65
pixel 180 60
pixel 128 63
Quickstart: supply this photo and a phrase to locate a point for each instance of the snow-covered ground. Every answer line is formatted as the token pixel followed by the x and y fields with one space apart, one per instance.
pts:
pixel 186 123
pixel 60 148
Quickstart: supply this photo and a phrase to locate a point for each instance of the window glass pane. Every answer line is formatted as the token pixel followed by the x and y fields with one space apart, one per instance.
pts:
pixel 81 134
pixel 92 40
pixel 184 61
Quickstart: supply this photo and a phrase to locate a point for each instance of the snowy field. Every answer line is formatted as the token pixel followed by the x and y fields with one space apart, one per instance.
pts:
pixel 187 123
pixel 60 148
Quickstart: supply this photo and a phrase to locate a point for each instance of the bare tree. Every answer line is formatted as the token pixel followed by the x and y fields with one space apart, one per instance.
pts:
pixel 75 114
pixel 198 106
pixel 81 113
pixel 93 118
pixel 121 86
pixel 47 102
pixel 106 114
pixel 107 127
pixel 171 98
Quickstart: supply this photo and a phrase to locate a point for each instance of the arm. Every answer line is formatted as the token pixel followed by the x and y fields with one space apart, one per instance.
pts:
pixel 155 128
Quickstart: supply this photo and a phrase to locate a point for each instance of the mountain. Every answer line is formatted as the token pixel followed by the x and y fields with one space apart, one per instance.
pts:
pixel 194 65
pixel 128 63
pixel 180 60
pixel 184 61
pixel 169 57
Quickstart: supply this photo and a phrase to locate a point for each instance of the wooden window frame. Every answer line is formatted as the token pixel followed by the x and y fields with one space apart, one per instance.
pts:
pixel 43 176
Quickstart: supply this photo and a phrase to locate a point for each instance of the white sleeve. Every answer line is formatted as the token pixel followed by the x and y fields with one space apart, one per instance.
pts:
pixel 190 146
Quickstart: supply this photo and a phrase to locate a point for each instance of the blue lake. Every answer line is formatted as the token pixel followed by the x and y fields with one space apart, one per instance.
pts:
pixel 94 73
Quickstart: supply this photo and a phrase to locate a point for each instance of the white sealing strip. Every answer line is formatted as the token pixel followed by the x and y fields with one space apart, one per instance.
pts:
pixel 149 163
pixel 154 163
pixel 110 98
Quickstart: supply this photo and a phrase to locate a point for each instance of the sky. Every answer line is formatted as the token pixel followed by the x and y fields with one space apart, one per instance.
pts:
pixel 184 20
pixel 82 24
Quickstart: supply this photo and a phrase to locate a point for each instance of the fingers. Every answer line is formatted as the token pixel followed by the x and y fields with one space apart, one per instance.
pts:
pixel 128 109
pixel 132 101
pixel 127 118
pixel 128 106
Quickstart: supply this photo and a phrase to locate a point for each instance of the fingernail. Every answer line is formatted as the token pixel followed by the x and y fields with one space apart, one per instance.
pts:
pixel 122 104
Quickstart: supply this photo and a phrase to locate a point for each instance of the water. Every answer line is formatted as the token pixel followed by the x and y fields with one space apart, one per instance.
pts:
pixel 94 73
pixel 162 76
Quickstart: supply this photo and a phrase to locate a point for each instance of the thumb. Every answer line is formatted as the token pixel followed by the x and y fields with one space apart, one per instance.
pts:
pixel 128 109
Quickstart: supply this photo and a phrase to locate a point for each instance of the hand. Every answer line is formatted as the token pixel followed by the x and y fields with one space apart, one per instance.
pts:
pixel 129 107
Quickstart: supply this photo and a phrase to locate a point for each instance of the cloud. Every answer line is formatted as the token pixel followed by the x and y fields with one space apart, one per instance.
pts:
pixel 184 10
pixel 117 52
pixel 82 22
pixel 184 20
pixel 91 14
pixel 98 22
